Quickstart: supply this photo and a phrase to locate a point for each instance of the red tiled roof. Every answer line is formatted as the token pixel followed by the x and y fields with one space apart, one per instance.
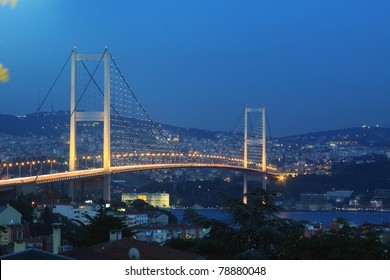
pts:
pixel 119 250
pixel 34 254
pixel 85 253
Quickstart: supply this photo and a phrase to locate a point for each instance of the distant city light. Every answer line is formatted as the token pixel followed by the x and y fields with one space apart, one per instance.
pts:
pixel 281 178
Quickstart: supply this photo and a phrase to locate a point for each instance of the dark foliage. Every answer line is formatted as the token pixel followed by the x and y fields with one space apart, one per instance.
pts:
pixel 346 244
pixel 141 205
pixel 97 230
pixel 24 205
pixel 259 233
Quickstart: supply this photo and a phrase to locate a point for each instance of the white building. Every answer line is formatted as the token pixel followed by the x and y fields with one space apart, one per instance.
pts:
pixel 76 211
pixel 9 215
pixel 157 218
pixel 135 218
pixel 159 234
pixel 338 196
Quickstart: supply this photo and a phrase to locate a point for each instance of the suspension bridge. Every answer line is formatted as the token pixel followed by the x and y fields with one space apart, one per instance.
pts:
pixel 108 121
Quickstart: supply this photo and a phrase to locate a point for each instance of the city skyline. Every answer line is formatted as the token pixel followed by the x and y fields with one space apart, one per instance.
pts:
pixel 314 66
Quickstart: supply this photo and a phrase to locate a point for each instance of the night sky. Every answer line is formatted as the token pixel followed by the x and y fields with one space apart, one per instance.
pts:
pixel 314 65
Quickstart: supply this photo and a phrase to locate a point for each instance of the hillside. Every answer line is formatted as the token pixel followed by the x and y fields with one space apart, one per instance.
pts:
pixel 57 123
pixel 365 135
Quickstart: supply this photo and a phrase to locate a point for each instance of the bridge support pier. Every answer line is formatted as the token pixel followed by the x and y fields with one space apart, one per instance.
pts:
pixel 255 178
pixel 263 143
pixel 107 188
pixel 79 189
pixel 264 182
pixel 245 188
pixel 88 116
pixel 71 190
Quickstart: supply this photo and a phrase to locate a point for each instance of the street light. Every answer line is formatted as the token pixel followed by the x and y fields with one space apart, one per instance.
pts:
pixel 31 164
pixel 8 166
pixel 51 165
pixel 98 158
pixel 20 164
pixel 51 161
pixel 86 163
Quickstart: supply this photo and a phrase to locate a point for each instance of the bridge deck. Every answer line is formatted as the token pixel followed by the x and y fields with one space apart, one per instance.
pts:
pixel 66 176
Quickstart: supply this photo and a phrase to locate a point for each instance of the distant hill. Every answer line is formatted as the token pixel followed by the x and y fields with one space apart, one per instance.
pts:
pixel 45 123
pixel 366 136
pixel 361 178
pixel 57 123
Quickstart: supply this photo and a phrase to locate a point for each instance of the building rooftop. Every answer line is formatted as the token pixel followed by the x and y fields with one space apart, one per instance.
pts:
pixel 2 208
pixel 119 250
pixel 34 254
pixel 85 253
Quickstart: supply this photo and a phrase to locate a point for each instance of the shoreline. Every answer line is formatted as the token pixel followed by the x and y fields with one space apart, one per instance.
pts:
pixel 369 210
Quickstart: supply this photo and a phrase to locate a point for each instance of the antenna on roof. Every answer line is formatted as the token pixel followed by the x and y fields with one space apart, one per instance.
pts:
pixel 134 254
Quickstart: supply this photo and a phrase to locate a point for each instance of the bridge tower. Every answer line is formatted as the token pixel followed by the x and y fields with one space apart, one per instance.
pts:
pixel 248 141
pixel 91 116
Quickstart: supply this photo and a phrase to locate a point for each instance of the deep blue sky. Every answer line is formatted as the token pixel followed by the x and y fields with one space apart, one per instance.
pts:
pixel 315 65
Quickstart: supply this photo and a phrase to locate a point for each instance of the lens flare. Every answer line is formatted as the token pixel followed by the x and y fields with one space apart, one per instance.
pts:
pixel 4 76
pixel 12 3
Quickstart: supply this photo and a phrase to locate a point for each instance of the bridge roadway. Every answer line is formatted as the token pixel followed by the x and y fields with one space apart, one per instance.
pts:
pixel 79 174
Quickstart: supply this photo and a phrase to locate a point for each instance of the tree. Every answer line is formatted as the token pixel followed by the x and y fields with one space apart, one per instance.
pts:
pixel 142 205
pixel 24 204
pixel 48 216
pixel 212 246
pixel 97 229
pixel 345 244
pixel 260 231
pixel 256 232
pixel 139 204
